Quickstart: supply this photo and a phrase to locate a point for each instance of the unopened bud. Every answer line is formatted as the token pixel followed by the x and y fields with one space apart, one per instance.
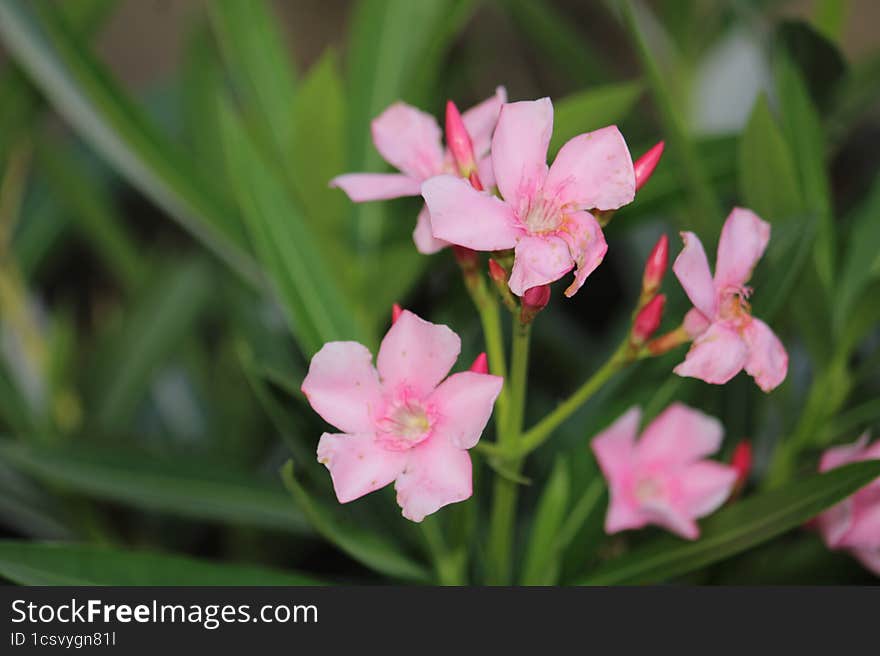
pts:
pixel 480 365
pixel 648 319
pixel 655 267
pixel 644 166
pixel 668 341
pixel 396 311
pixel 497 272
pixel 741 461
pixel 467 258
pixel 459 141
pixel 534 300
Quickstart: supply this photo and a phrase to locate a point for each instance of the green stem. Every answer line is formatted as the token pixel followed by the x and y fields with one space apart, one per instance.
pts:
pixel 447 565
pixel 580 513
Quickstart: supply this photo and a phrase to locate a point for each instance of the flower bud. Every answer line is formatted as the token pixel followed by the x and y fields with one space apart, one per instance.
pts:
pixel 497 272
pixel 459 141
pixel 480 365
pixel 644 166
pixel 648 319
pixel 655 267
pixel 467 259
pixel 741 461
pixel 534 300
pixel 396 311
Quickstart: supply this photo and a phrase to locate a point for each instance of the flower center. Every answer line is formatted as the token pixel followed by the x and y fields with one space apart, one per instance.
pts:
pixel 734 304
pixel 406 422
pixel 648 489
pixel 543 216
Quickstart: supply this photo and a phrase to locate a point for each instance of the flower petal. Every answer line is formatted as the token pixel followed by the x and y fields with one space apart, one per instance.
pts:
pixel 671 518
pixel 704 486
pixel 416 353
pixel 593 170
pixel 519 150
pixel 480 121
pixel 870 558
pixel 462 215
pixel 539 261
pixel 362 187
pixel 692 270
pixel 743 240
pixel 716 356
pixel 865 530
pixel 768 360
pixel 586 245
pixel 436 474
pixel 841 455
pixel 409 140
pixel 358 464
pixel 695 323
pixel 835 523
pixel 342 386
pixel 425 241
pixel 677 436
pixel 622 515
pixel 614 447
pixel 463 403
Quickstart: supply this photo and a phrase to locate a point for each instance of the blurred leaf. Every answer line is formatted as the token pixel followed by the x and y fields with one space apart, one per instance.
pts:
pixel 29 563
pixel 178 486
pixel 316 309
pixel 593 109
pixel 829 17
pixel 819 60
pixel 370 549
pixel 164 314
pixel 82 91
pixel 861 261
pixel 767 178
pixel 541 565
pixel 737 528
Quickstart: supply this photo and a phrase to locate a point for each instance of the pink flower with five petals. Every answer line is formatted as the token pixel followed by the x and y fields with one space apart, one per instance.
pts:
pixel 854 523
pixel 544 212
pixel 727 337
pixel 400 421
pixel 411 141
pixel 663 478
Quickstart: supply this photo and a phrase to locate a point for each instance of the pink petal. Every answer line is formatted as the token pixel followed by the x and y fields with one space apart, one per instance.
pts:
pixel 716 356
pixel 586 245
pixel 462 215
pixel 768 360
pixel 343 387
pixel 865 530
pixel 622 515
pixel 695 323
pixel 362 187
pixel 519 150
pixel 463 403
pixel 436 474
pixel 480 121
pixel 417 354
pixel 484 170
pixel 614 446
pixel 410 140
pixel 538 261
pixel 679 435
pixel 704 486
pixel 692 270
pixel 835 523
pixel 671 518
pixel 593 170
pixel 358 464
pixel 841 455
pixel 870 558
pixel 425 242
pixel 743 240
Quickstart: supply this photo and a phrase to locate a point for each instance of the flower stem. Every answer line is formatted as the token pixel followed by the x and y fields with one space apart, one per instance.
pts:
pixel 447 565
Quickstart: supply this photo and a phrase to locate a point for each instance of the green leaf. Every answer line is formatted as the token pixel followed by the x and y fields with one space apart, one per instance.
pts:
pixel 737 528
pixel 369 549
pixel 767 178
pixel 541 566
pixel 816 56
pixel 34 563
pixel 61 64
pixel 176 486
pixel 593 109
pixel 861 263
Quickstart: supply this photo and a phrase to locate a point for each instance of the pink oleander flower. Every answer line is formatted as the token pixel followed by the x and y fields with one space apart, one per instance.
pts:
pixel 726 336
pixel 544 212
pixel 400 421
pixel 411 141
pixel 663 478
pixel 854 523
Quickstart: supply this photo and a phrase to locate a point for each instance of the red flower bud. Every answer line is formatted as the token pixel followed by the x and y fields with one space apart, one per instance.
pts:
pixel 655 267
pixel 459 141
pixel 648 319
pixel 534 300
pixel 480 365
pixel 467 259
pixel 741 461
pixel 396 311
pixel 497 272
pixel 644 166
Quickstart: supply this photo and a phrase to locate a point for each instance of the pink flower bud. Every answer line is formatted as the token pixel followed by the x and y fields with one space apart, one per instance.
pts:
pixel 534 300
pixel 396 311
pixel 467 258
pixel 648 319
pixel 480 365
pixel 459 141
pixel 644 166
pixel 497 272
pixel 741 461
pixel 655 267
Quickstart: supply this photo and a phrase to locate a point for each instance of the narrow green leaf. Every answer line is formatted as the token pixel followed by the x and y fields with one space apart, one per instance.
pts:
pixel 369 549
pixel 737 528
pixel 861 262
pixel 593 109
pixel 35 563
pixel 541 565
pixel 176 486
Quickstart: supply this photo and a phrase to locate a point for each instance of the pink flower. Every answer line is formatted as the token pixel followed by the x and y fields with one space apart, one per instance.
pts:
pixel 410 140
pixel 544 212
pixel 854 523
pixel 727 337
pixel 400 423
pixel 663 478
